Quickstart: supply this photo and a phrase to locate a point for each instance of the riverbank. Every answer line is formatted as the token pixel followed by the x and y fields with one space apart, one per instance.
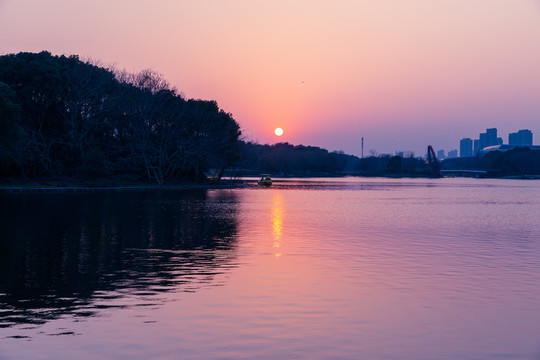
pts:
pixel 111 188
pixel 54 185
pixel 78 185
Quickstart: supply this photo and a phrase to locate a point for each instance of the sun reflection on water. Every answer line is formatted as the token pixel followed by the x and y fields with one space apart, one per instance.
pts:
pixel 277 222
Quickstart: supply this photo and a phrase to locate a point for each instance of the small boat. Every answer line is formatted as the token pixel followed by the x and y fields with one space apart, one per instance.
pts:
pixel 212 176
pixel 265 180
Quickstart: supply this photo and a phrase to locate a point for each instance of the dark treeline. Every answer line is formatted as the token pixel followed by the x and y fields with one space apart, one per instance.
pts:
pixel 388 165
pixel 290 160
pixel 63 117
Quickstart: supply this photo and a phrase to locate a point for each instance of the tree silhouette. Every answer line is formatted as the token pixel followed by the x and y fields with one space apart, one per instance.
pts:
pixel 74 119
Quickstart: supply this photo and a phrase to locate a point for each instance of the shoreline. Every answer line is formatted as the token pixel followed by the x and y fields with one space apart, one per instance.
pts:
pixel 226 184
pixel 5 189
pixel 106 186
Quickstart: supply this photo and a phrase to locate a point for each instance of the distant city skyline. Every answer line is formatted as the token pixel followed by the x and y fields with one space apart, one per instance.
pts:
pixel 470 147
pixel 402 75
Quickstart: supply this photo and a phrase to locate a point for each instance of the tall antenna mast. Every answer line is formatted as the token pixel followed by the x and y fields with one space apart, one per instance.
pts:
pixel 362 147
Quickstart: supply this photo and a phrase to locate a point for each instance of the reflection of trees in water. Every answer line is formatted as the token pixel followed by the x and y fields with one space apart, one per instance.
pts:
pixel 74 253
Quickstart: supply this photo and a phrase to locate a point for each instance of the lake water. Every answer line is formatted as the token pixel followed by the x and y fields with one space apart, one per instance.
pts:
pixel 347 268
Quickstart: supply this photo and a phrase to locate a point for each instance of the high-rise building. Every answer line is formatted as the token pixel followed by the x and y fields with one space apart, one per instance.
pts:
pixel 440 154
pixel 476 146
pixel 465 147
pixel 513 139
pixel 482 141
pixel 452 154
pixel 489 138
pixel 521 138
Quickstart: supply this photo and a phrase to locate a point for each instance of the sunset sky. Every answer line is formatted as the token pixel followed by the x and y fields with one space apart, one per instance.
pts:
pixel 401 74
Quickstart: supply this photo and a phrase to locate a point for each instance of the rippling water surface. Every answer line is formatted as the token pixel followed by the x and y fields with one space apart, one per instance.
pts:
pixel 307 269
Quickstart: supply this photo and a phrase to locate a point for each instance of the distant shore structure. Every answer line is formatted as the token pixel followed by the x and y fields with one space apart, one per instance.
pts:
pixel 465 147
pixel 489 139
pixel 521 138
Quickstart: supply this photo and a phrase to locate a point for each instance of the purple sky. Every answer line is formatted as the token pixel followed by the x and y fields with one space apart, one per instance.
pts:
pixel 401 74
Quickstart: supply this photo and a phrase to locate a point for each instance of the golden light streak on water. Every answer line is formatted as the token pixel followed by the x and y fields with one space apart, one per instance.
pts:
pixel 277 222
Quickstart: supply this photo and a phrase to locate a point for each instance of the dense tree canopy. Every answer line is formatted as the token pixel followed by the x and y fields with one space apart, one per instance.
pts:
pixel 9 129
pixel 299 160
pixel 60 116
pixel 289 160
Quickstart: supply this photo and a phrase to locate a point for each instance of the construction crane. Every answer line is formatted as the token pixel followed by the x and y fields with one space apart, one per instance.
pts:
pixel 433 163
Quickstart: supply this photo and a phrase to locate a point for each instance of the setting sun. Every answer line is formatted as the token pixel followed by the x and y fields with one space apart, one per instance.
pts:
pixel 278 131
